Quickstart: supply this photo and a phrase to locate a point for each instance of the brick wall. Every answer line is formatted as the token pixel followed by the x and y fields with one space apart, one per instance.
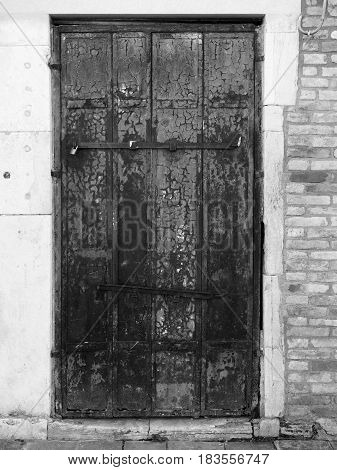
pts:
pixel 311 224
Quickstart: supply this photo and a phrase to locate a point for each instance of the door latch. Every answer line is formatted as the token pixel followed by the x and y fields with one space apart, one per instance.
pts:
pixel 73 149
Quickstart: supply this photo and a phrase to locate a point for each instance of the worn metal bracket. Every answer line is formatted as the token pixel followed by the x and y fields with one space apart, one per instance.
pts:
pixel 55 354
pixel 56 173
pixel 54 65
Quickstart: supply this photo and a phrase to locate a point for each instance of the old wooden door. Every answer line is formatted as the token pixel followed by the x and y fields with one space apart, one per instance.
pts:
pixel 157 242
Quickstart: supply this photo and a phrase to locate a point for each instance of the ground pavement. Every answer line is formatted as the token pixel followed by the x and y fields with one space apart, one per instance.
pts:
pixel 279 444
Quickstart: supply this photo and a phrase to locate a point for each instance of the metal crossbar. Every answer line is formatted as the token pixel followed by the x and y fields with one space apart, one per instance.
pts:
pixel 172 146
pixel 161 291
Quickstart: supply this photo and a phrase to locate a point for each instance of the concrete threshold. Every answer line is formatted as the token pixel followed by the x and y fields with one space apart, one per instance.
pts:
pixel 158 429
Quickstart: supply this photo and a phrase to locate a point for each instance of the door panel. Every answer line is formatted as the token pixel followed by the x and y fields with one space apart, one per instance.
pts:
pixel 177 182
pixel 228 190
pixel 86 113
pixel 154 225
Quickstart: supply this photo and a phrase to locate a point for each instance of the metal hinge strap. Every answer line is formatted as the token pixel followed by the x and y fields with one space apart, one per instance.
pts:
pixel 231 143
pixel 54 353
pixel 163 291
pixel 56 173
pixel 54 65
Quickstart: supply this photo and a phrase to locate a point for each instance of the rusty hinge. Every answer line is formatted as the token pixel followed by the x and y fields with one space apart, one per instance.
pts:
pixel 56 173
pixel 54 65
pixel 54 353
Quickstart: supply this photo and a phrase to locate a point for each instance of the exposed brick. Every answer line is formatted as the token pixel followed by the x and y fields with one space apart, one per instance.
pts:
pixel 322 210
pixel 293 210
pixel 306 221
pixel 324 165
pixel 308 199
pixel 300 388
pixel 298 117
pixel 315 82
pixel 325 377
pixel 319 277
pixel 309 311
pixel 322 233
pixel 310 71
pixel 324 366
pixel 308 177
pixel 297 321
pixel 296 276
pixel 327 94
pixel 307 244
pixel 325 300
pixel 295 232
pixel 309 354
pixel 316 288
pixel 324 255
pixel 313 10
pixel 322 322
pixel 324 342
pixel 297 264
pixel 296 254
pixel 324 388
pixel 329 71
pixel 315 59
pixel 296 377
pixel 295 188
pixel 297 299
pixel 308 95
pixel 313 140
pixel 298 365
pixel 307 331
pixel 298 165
pixel 324 188
pixel 298 152
pixel 322 34
pixel 325 117
pixel 329 46
pixel 309 400
pixel 309 129
pixel 297 343
pixel 318 266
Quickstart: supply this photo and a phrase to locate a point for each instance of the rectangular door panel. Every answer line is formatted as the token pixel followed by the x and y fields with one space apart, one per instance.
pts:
pixel 228 219
pixel 177 183
pixel 86 114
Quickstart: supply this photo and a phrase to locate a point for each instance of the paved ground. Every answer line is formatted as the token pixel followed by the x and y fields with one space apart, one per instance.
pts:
pixel 309 444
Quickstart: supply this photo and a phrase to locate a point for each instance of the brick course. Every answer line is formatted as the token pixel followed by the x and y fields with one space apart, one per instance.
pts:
pixel 310 285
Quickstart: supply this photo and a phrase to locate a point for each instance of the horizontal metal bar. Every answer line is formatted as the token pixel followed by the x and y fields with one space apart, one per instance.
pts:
pixel 231 143
pixel 161 291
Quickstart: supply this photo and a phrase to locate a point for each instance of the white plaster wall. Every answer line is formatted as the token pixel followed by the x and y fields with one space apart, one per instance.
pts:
pixel 25 205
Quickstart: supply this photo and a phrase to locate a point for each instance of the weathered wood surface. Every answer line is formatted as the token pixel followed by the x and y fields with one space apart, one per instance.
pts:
pixel 179 219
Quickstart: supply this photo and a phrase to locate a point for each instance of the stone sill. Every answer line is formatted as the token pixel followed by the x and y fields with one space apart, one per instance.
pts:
pixel 155 429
